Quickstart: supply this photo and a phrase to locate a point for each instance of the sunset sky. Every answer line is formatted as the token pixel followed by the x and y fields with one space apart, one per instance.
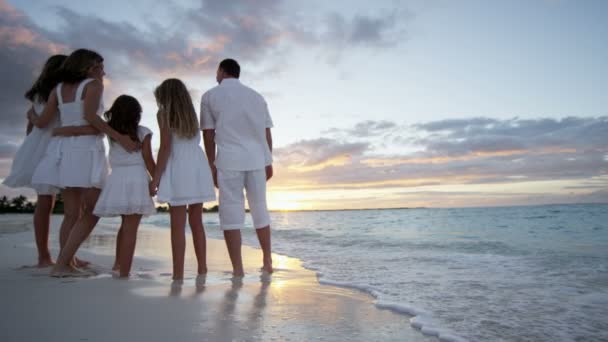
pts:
pixel 375 103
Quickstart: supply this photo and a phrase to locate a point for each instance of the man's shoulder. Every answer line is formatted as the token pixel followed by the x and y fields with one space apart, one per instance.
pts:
pixel 252 91
pixel 210 92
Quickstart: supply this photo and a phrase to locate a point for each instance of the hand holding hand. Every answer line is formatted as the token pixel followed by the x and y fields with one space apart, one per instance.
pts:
pixel 153 187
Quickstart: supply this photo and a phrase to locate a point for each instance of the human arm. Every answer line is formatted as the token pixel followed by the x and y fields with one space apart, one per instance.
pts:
pixel 91 104
pixel 269 124
pixel 209 140
pixel 146 152
pixel 71 131
pixel 30 125
pixel 269 170
pixel 208 127
pixel 162 158
pixel 48 114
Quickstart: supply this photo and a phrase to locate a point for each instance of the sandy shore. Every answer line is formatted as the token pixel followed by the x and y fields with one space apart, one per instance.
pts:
pixel 290 305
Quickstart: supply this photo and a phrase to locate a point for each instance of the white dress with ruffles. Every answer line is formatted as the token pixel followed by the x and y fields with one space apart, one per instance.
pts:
pixel 78 161
pixel 29 155
pixel 126 191
pixel 187 177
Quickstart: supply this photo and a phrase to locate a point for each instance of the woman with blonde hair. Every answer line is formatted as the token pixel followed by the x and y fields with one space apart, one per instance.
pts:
pixel 182 177
pixel 77 163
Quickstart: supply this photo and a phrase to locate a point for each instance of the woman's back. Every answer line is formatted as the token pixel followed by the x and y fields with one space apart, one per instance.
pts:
pixel 72 110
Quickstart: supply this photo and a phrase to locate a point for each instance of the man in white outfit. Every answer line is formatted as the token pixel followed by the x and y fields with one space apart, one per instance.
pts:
pixel 235 118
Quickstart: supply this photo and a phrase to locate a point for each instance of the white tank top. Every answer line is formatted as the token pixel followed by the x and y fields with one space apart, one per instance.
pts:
pixel 72 113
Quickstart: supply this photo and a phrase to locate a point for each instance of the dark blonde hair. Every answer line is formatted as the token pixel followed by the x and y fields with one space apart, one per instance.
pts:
pixel 124 116
pixel 48 79
pixel 77 65
pixel 175 108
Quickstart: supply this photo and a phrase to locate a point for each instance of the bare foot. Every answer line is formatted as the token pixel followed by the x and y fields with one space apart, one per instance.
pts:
pixel 79 263
pixel 238 274
pixel 116 267
pixel 117 275
pixel 202 270
pixel 200 282
pixel 44 263
pixel 237 282
pixel 62 271
pixel 267 266
pixel 176 287
pixel 201 279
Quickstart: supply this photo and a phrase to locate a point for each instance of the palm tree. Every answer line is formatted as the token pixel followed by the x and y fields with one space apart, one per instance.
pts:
pixel 18 203
pixel 3 202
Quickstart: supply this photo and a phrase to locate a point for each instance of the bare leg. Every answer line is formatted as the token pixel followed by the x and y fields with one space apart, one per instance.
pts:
pixel 71 209
pixel 233 243
pixel 42 222
pixel 195 218
pixel 264 238
pixel 127 243
pixel 79 233
pixel 72 200
pixel 178 239
pixel 116 265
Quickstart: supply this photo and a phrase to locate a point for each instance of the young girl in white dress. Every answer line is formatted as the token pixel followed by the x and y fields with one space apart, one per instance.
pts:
pixel 30 153
pixel 182 178
pixel 126 191
pixel 77 163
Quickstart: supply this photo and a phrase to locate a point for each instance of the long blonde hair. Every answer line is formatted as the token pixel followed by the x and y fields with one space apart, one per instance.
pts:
pixel 175 108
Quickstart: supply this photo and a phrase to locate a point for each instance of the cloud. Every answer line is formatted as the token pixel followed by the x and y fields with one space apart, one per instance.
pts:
pixel 318 153
pixel 364 30
pixel 466 151
pixel 379 31
pixel 480 135
pixel 188 42
pixel 198 38
pixel 365 129
pixel 23 50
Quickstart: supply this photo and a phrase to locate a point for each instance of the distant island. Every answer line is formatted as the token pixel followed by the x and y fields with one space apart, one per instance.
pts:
pixel 21 205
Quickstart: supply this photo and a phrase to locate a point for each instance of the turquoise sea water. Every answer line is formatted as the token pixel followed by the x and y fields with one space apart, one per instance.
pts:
pixel 537 273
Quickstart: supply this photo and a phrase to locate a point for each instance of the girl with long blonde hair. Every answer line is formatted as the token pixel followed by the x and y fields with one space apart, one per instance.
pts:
pixel 182 177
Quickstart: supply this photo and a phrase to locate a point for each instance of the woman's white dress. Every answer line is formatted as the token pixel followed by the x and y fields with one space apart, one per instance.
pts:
pixel 78 161
pixel 29 155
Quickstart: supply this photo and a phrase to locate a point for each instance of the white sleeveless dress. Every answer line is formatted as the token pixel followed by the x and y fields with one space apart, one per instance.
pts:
pixel 29 155
pixel 187 178
pixel 126 190
pixel 78 161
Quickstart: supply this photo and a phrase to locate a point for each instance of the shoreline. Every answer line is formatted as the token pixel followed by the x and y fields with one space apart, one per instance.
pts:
pixel 289 305
pixel 214 209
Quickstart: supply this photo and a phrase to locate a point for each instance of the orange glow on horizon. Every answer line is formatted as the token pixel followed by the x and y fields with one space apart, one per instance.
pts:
pixel 336 161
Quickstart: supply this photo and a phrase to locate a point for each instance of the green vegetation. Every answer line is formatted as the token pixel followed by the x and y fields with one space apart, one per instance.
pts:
pixel 18 204
pixel 21 205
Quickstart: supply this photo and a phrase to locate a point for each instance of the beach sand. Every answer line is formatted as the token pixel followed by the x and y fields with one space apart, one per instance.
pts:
pixel 290 305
